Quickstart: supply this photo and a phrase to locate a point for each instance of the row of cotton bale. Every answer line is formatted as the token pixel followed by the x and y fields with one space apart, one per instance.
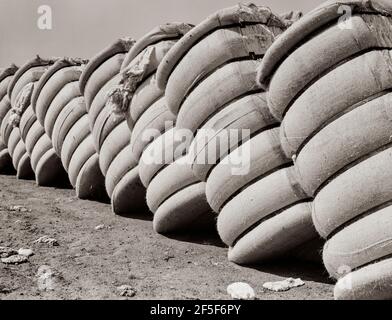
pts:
pixel 28 145
pixel 6 165
pixel 110 132
pixel 94 114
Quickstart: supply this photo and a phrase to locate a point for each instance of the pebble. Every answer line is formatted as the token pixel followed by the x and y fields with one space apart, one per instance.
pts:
pixel 284 285
pixel 25 252
pixel 48 240
pixel 5 290
pixel 15 259
pixel 19 209
pixel 168 257
pixel 241 291
pixel 126 291
pixel 5 252
pixel 99 227
pixel 48 279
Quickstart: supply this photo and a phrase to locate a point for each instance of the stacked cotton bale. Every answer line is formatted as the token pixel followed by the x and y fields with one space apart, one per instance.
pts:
pixel 45 163
pixel 210 79
pixel 11 138
pixel 61 111
pixel 329 82
pixel 144 106
pixel 137 96
pixel 110 132
pixel 5 78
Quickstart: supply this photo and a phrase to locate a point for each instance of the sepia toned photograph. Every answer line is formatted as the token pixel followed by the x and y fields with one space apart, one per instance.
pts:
pixel 185 150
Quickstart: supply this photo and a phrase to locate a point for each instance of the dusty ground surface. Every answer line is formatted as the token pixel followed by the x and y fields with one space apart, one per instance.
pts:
pixel 91 263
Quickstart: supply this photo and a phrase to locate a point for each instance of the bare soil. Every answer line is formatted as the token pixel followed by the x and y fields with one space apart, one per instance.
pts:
pixel 93 263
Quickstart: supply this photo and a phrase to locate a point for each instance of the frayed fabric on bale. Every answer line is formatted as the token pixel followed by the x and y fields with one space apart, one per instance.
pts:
pixel 120 97
pixel 21 104
pixel 290 17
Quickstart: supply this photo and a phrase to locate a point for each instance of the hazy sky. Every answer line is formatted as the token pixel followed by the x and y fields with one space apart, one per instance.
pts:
pixel 83 27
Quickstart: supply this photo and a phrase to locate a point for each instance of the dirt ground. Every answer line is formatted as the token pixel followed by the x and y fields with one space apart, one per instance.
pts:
pixel 92 263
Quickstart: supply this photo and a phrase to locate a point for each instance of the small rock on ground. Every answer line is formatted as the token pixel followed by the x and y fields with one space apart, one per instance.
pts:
pixel 25 252
pixel 126 291
pixel 168 256
pixel 6 252
pixel 19 209
pixel 5 290
pixel 48 240
pixel 283 285
pixel 48 279
pixel 241 291
pixel 15 259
